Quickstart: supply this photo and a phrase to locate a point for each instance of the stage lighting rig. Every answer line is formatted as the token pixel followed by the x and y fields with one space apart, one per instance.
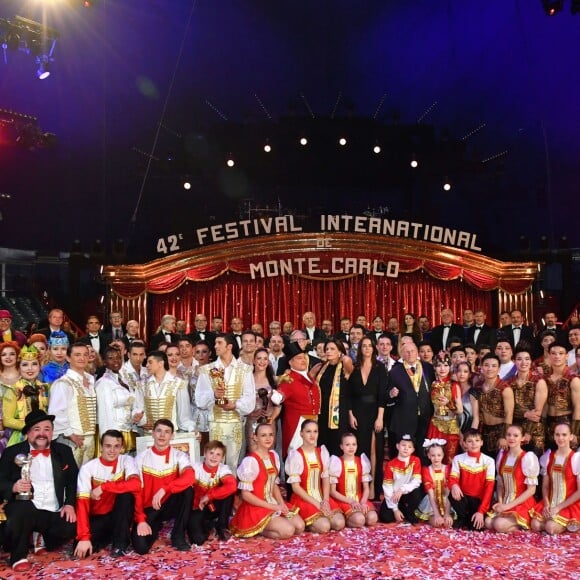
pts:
pixel 30 37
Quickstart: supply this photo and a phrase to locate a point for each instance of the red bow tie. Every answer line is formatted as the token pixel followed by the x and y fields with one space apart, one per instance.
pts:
pixel 35 452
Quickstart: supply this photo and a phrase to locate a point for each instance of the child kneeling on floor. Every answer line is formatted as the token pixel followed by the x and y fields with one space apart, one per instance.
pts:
pixel 213 495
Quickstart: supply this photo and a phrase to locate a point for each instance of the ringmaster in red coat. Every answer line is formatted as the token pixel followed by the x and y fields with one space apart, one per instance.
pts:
pixel 298 393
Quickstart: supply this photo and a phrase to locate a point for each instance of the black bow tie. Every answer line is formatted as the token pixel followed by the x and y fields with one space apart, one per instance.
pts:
pixel 517 327
pixel 479 327
pixel 447 326
pixel 167 333
pixel 94 336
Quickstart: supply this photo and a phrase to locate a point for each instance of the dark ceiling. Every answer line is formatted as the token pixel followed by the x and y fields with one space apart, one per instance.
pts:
pixel 121 69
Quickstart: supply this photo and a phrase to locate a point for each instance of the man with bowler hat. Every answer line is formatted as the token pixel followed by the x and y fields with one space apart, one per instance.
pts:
pixel 38 479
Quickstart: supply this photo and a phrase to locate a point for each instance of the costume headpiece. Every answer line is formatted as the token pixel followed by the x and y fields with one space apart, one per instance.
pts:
pixel 291 350
pixel 442 357
pixel 432 442
pixel 28 353
pixel 58 338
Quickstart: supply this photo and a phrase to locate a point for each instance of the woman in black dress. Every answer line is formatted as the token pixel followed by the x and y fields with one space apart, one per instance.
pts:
pixel 332 377
pixel 366 399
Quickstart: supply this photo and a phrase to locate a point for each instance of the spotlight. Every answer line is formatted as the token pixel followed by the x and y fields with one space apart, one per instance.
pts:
pixel 446 185
pixel 552 7
pixel 267 148
pixel 303 141
pixel 377 149
pixel 43 71
pixel 342 141
pixel 230 162
pixel 414 163
pixel 186 184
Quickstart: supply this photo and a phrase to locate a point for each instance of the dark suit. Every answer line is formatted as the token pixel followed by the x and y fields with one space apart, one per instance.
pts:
pixel 526 335
pixel 159 338
pixel 23 516
pixel 487 335
pixel 319 334
pixel 409 412
pixel 47 332
pixel 209 337
pixel 104 340
pixel 436 339
pixel 109 330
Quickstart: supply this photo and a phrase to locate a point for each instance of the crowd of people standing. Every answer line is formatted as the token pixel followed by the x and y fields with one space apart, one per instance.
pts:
pixel 415 416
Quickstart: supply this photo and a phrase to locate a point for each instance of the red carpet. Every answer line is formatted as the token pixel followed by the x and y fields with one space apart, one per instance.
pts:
pixel 383 552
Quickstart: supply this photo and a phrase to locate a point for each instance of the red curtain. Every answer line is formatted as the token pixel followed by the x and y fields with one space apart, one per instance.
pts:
pixel 287 298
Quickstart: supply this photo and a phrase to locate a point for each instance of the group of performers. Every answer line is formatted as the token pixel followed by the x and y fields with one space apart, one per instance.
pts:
pixel 455 430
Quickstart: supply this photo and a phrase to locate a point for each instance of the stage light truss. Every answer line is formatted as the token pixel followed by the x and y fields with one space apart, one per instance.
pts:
pixel 19 129
pixel 33 38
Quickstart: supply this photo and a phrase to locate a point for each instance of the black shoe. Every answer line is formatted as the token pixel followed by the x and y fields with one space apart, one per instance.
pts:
pixel 118 552
pixel 181 545
pixel 224 535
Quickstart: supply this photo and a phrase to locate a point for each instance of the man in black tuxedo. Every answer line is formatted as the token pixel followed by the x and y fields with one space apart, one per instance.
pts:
pixel 313 333
pixel 517 331
pixel 115 329
pixel 201 332
pixel 442 334
pixel 53 480
pixel 408 399
pixel 166 332
pixel 96 338
pixel 481 333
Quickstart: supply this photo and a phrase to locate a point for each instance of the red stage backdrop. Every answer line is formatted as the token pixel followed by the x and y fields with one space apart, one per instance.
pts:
pixel 287 298
pixel 279 277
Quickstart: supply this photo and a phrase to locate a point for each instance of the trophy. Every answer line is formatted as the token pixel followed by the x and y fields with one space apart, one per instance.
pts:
pixel 24 462
pixel 217 378
pixel 263 396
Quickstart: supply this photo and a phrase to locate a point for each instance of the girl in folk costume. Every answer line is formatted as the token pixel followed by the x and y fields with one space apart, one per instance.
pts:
pixel 447 402
pixel 25 395
pixel 263 511
pixel 517 478
pixel 435 507
pixel 350 475
pixel 559 510
pixel 307 470
pixel 530 396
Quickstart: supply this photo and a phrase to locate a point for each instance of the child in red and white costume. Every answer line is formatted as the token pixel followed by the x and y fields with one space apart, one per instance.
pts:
pixel 559 510
pixel 106 491
pixel 167 478
pixel 213 495
pixel 471 483
pixel 402 484
pixel 350 475
pixel 517 478
pixel 435 507
pixel 263 510
pixel 307 470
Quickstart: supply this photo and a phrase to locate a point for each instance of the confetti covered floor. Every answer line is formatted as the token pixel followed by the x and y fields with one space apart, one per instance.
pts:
pixel 386 552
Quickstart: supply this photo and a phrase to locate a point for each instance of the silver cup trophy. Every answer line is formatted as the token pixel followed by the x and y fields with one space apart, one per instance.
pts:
pixel 24 462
